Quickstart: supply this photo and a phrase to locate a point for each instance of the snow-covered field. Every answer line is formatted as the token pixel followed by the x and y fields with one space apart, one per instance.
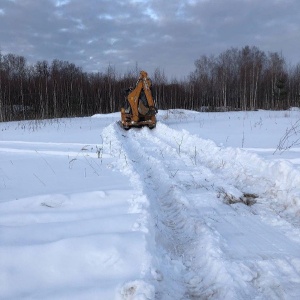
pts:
pixel 199 208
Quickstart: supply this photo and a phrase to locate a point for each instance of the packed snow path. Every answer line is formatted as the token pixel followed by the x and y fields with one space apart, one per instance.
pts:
pixel 214 231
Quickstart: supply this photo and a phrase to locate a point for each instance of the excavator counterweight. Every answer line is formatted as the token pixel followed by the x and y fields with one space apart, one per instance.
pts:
pixel 141 110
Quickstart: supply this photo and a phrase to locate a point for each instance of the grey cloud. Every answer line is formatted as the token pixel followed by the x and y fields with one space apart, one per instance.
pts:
pixel 170 34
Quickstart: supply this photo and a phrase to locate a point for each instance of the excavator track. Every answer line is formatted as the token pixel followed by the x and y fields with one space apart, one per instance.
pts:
pixel 140 124
pixel 202 245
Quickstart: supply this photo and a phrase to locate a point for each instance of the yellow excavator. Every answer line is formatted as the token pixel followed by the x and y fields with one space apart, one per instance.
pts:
pixel 141 110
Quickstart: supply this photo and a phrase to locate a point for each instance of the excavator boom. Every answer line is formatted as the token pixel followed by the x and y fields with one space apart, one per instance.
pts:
pixel 142 109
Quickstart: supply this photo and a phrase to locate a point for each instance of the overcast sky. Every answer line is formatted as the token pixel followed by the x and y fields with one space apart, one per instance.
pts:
pixel 169 34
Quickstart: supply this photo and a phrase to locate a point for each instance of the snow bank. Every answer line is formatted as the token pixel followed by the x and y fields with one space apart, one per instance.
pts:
pixel 278 181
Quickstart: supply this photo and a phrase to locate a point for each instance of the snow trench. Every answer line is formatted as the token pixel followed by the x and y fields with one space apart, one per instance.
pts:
pixel 217 218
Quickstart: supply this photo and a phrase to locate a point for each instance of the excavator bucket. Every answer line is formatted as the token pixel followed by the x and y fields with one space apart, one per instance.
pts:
pixel 141 110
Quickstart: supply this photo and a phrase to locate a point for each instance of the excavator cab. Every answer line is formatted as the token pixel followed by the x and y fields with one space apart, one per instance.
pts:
pixel 141 110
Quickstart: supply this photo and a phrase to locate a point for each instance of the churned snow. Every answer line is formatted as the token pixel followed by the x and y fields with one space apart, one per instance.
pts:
pixel 204 206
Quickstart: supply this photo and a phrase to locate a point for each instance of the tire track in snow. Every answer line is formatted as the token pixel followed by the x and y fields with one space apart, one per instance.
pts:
pixel 203 248
pixel 277 247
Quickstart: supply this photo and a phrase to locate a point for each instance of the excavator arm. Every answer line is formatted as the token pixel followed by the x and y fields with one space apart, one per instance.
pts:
pixel 142 109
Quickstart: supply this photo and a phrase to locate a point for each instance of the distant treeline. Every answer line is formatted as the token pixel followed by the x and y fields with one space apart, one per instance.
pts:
pixel 237 79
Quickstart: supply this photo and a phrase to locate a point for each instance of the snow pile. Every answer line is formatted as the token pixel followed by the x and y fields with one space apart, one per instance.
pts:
pixel 280 181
